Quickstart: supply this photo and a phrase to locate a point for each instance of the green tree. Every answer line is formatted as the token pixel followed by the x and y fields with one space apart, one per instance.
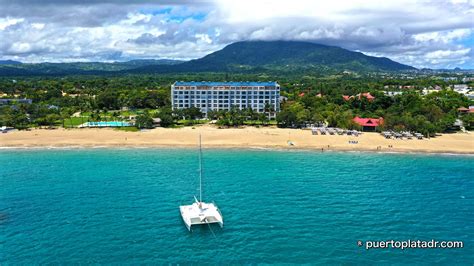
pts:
pixel 18 119
pixel 166 117
pixel 144 121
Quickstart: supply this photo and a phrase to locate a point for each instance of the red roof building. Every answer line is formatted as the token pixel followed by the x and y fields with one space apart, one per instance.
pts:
pixel 366 95
pixel 346 97
pixel 368 124
pixel 466 110
pixel 301 94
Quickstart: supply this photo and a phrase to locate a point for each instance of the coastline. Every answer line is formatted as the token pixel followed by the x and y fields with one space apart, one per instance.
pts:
pixel 232 138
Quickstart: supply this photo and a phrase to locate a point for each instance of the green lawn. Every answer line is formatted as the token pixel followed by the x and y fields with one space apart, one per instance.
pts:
pixel 74 121
pixel 259 123
pixel 128 129
pixel 192 122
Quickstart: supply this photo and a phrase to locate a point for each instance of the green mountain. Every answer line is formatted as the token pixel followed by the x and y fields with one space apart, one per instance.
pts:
pixel 251 56
pixel 239 57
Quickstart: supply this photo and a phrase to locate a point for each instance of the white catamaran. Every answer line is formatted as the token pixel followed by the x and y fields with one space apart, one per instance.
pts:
pixel 200 212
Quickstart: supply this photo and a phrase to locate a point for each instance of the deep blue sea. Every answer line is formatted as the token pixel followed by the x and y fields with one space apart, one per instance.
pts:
pixel 120 206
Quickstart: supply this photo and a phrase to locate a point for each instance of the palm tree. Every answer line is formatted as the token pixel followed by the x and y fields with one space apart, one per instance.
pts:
pixel 63 115
pixel 66 113
pixel 105 113
pixel 268 108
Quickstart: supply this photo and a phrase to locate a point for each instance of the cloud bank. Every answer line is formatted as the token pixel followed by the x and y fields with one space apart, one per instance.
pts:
pixel 421 33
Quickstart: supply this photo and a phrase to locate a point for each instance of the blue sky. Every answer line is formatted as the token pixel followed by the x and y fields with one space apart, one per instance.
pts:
pixel 421 33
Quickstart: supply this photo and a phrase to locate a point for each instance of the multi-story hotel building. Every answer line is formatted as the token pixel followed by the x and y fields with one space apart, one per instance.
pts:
pixel 225 95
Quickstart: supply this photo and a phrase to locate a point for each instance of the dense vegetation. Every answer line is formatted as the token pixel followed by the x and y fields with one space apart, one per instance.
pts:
pixel 409 111
pixel 73 100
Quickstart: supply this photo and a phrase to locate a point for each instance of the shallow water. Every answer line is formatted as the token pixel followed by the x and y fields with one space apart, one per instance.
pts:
pixel 121 206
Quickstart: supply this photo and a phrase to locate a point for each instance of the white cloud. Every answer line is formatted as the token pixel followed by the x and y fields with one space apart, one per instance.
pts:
pixel 38 26
pixel 443 54
pixel 423 33
pixel 20 48
pixel 7 22
pixel 443 36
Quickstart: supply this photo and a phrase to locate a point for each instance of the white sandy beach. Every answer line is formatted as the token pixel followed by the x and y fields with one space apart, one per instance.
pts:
pixel 248 137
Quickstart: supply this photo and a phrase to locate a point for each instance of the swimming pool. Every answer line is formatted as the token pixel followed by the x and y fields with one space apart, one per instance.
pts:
pixel 106 124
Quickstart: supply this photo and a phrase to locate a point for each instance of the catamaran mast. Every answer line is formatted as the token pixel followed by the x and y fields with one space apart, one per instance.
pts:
pixel 200 169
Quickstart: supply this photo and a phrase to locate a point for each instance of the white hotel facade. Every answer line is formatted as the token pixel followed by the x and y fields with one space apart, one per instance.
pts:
pixel 225 95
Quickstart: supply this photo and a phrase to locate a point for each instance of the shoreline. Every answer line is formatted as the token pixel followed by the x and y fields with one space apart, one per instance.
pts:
pixel 224 147
pixel 233 138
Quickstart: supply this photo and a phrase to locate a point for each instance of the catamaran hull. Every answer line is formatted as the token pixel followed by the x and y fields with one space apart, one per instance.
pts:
pixel 200 214
pixel 189 226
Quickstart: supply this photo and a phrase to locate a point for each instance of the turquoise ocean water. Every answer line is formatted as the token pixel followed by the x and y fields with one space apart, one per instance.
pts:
pixel 120 206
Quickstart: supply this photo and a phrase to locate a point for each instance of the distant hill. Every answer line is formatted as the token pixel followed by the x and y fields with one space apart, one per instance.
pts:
pixel 9 62
pixel 241 57
pixel 78 68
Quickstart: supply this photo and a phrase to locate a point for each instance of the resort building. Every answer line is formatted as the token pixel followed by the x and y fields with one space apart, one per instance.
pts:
pixel 226 95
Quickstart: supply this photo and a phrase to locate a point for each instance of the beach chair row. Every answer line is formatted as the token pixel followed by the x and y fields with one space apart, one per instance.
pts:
pixel 334 131
pixel 401 135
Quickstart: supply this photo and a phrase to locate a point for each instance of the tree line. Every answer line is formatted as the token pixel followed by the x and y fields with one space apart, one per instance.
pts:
pixel 308 100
